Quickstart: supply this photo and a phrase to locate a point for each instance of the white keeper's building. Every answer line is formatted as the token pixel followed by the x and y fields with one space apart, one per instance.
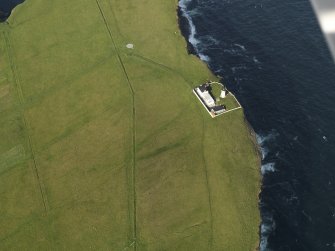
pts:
pixel 205 96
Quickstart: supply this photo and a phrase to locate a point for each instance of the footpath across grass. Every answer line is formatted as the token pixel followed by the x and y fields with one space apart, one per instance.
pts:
pixel 103 147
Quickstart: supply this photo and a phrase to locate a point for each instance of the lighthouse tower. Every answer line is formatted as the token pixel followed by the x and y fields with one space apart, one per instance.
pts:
pixel 223 93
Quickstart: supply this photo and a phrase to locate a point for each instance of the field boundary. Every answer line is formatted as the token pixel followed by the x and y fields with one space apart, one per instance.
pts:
pixel 217 115
pixel 25 122
pixel 163 66
pixel 205 167
pixel 133 178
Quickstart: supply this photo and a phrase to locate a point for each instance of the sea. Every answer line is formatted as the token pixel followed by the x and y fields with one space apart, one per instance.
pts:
pixel 6 7
pixel 272 55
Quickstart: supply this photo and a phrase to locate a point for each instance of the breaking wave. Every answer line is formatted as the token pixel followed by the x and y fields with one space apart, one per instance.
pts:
pixel 268 168
pixel 192 36
pixel 267 227
pixel 242 47
pixel 263 141
pixel 268 224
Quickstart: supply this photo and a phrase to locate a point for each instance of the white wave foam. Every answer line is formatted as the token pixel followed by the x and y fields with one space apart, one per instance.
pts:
pixel 183 3
pixel 193 13
pixel 267 226
pixel 203 57
pixel 255 60
pixel 264 151
pixel 238 68
pixel 183 6
pixel 241 47
pixel 211 40
pixel 307 216
pixel 192 39
pixel 263 246
pixel 261 139
pixel 232 51
pixel 267 168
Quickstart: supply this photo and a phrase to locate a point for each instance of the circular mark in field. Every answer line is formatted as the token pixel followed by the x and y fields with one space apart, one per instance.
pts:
pixel 130 46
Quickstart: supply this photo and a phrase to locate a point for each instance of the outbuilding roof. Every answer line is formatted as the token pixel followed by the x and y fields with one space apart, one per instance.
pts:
pixel 218 108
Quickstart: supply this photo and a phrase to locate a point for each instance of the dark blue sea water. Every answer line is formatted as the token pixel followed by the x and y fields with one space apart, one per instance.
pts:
pixel 6 7
pixel 272 55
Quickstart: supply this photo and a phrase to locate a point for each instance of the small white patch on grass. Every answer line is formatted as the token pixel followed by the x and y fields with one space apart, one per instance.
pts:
pixel 130 46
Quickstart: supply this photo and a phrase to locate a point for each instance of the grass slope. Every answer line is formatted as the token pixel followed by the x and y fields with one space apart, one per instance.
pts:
pixel 106 148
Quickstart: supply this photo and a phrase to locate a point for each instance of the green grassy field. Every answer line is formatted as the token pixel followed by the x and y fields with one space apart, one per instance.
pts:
pixel 106 148
pixel 229 101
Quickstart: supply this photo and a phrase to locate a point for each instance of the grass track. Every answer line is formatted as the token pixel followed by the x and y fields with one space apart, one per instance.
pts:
pixel 20 96
pixel 133 125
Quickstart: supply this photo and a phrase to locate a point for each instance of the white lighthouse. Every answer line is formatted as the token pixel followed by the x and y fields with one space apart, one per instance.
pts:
pixel 223 93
